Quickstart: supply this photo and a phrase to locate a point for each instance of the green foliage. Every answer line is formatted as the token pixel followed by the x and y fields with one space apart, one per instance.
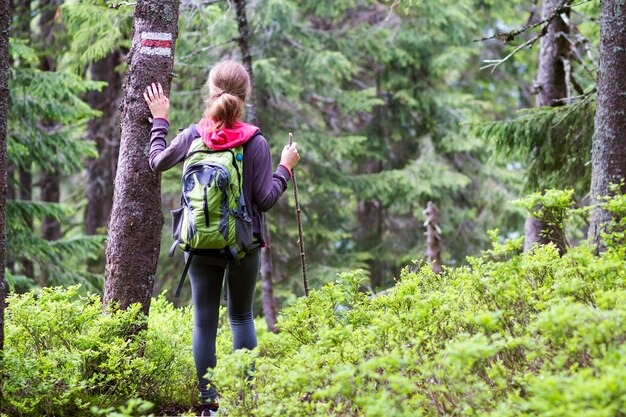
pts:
pixel 47 117
pixel 45 110
pixel 615 236
pixel 135 407
pixel 553 142
pixel 511 334
pixel 550 206
pixel 64 356
pixel 95 29
pixel 536 334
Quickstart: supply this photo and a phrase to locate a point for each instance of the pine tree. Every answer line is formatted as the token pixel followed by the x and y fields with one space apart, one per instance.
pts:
pixel 609 146
pixel 136 219
pixel 49 179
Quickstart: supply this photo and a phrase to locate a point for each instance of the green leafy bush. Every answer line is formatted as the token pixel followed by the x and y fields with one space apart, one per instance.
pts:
pixel 511 334
pixel 64 357
pixel 538 334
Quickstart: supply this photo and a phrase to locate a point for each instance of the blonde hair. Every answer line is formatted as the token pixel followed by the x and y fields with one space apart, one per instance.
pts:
pixel 227 88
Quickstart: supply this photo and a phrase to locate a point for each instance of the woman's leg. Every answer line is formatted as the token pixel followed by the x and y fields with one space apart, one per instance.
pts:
pixel 241 285
pixel 206 286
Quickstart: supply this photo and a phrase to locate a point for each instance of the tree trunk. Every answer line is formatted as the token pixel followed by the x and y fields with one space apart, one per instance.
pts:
pixel 26 194
pixel 104 132
pixel 608 160
pixel 369 236
pixel 49 180
pixel 551 86
pixel 5 22
pixel 25 183
pixel 267 286
pixel 134 239
pixel 246 56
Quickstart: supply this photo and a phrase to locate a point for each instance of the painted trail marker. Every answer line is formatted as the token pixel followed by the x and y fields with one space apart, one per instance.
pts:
pixel 156 43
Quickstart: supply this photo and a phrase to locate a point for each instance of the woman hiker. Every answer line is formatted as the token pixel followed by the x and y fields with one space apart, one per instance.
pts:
pixel 221 128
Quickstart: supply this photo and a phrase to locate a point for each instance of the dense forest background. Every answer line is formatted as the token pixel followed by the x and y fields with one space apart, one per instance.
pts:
pixel 441 141
pixel 384 100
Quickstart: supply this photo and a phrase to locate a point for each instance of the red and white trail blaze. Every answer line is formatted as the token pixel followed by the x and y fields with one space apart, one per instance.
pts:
pixel 156 43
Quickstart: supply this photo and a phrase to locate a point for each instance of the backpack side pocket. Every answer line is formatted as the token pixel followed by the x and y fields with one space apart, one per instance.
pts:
pixel 177 222
pixel 243 233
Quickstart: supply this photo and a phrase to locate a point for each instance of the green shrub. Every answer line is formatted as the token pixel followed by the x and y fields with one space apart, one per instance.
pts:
pixel 63 356
pixel 533 334
pixel 512 334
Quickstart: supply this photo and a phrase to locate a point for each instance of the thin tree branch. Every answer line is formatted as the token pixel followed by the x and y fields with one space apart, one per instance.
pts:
pixel 122 3
pixel 208 48
pixel 495 63
pixel 507 37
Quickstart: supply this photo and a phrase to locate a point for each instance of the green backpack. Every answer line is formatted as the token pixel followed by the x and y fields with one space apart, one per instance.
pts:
pixel 213 218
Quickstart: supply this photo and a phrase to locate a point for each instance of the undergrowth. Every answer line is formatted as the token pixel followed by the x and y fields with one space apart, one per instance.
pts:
pixel 512 334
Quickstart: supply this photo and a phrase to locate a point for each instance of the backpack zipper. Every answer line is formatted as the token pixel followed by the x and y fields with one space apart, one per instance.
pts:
pixel 232 153
pixel 206 208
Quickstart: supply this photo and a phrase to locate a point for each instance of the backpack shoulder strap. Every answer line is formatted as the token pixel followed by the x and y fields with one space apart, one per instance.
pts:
pixel 194 131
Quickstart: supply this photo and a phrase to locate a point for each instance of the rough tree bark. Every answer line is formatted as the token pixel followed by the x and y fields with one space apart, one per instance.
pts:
pixel 433 237
pixel 551 86
pixel 608 160
pixel 5 21
pixel 104 132
pixel 49 179
pixel 136 219
pixel 267 286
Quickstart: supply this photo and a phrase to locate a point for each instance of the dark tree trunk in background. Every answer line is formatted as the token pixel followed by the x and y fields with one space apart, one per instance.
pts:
pixel 608 161
pixel 551 86
pixel 267 286
pixel 246 56
pixel 26 194
pixel 370 233
pixel 25 178
pixel 134 236
pixel 104 132
pixel 49 180
pixel 5 22
pixel 369 236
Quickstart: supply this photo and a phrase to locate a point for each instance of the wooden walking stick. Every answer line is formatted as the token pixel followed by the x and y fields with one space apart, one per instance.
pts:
pixel 299 221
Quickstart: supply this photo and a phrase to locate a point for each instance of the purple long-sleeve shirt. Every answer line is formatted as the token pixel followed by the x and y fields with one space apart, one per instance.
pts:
pixel 261 187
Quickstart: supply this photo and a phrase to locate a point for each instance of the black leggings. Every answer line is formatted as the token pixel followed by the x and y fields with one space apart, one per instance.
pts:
pixel 206 287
